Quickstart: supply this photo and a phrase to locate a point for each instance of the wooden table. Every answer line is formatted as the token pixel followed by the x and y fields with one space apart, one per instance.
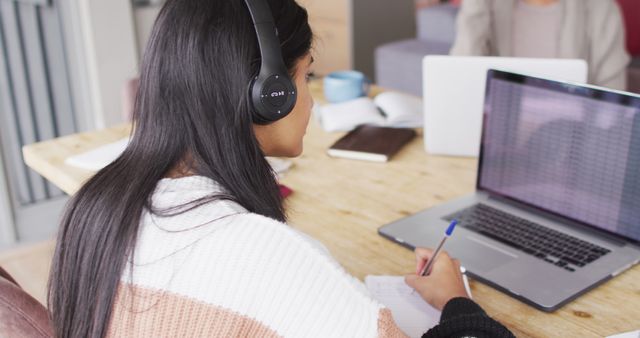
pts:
pixel 343 202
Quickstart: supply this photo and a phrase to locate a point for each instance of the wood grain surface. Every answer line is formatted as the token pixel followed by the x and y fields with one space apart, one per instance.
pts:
pixel 343 202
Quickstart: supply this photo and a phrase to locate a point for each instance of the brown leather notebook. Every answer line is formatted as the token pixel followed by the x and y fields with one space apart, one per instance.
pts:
pixel 371 143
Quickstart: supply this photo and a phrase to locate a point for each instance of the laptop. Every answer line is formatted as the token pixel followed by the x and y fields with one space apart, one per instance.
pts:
pixel 556 209
pixel 453 91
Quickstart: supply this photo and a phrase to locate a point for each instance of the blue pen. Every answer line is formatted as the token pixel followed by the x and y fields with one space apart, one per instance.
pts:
pixel 427 269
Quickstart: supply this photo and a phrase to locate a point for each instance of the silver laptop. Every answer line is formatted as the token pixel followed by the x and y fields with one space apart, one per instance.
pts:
pixel 557 204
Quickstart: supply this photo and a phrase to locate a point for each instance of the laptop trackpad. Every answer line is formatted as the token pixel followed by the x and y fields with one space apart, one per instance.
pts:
pixel 478 255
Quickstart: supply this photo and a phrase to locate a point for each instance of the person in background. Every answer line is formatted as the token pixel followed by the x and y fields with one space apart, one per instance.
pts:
pixel 591 30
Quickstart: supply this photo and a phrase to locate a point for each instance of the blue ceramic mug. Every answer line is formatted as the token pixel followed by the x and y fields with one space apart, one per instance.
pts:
pixel 345 85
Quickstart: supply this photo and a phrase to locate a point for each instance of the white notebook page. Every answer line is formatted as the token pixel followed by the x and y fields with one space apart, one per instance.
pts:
pixel 411 313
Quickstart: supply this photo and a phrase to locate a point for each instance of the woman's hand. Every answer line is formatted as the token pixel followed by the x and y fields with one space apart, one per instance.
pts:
pixel 444 282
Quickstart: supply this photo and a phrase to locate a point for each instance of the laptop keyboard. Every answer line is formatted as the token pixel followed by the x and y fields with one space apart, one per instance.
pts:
pixel 552 246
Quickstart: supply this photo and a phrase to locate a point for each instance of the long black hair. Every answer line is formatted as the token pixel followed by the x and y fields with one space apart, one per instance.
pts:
pixel 192 104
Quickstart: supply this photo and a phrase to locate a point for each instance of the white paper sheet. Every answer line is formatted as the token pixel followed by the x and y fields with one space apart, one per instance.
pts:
pixel 100 157
pixel 632 334
pixel 411 313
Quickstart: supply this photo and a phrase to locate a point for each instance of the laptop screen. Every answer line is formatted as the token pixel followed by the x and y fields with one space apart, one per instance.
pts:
pixel 567 149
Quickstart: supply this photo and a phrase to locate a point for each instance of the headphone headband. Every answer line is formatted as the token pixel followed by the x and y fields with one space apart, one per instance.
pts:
pixel 272 92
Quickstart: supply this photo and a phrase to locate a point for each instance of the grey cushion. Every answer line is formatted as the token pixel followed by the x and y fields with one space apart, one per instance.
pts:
pixel 437 23
pixel 399 64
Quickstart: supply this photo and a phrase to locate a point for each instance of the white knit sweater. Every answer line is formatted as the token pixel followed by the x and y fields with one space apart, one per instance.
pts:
pixel 218 270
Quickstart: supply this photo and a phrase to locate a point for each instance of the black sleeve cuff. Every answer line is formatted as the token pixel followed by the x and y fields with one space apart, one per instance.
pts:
pixel 460 306
pixel 462 317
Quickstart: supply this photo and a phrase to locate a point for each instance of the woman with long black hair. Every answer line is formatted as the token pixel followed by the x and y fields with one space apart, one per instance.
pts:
pixel 185 235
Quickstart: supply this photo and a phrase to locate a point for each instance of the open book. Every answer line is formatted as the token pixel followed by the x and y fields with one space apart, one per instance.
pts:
pixel 388 109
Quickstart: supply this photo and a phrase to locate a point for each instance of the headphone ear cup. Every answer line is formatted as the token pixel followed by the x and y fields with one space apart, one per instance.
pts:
pixel 272 92
pixel 272 97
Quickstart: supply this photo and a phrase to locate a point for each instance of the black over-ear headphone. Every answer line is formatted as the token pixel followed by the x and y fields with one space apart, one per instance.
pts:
pixel 272 92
